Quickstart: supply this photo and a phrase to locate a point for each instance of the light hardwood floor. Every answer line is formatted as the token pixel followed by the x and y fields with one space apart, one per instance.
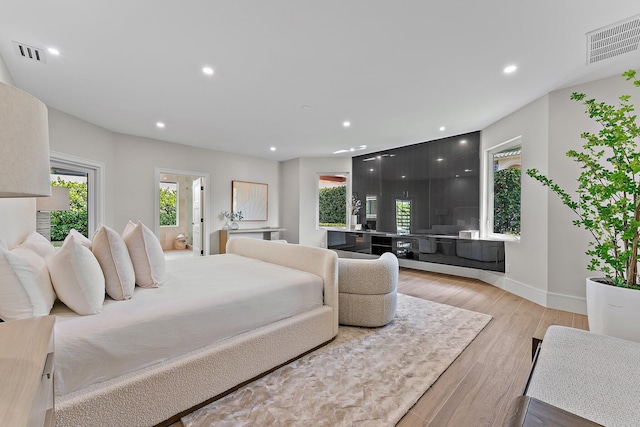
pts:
pixel 477 389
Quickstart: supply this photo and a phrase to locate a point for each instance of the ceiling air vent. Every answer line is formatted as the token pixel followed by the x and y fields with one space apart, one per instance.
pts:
pixel 30 52
pixel 613 40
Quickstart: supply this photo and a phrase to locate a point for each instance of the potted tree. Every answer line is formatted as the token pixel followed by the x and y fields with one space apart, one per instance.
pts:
pixel 607 204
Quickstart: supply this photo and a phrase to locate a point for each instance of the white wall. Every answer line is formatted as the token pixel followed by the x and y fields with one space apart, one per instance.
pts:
pixel 548 265
pixel 303 173
pixel 526 259
pixel 290 200
pixel 18 216
pixel 130 164
pixel 567 120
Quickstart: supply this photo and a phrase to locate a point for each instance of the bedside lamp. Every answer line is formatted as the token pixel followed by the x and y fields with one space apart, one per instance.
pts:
pixel 24 145
pixel 59 201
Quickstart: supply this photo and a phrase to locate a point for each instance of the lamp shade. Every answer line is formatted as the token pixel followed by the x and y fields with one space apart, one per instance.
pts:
pixel 59 200
pixel 24 144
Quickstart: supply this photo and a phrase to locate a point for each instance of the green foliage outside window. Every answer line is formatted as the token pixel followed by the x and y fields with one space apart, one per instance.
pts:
pixel 168 205
pixel 506 201
pixel 76 217
pixel 333 206
pixel 403 216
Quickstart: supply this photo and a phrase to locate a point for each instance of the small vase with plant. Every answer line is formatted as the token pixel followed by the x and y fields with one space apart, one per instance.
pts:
pixel 354 208
pixel 607 204
pixel 233 217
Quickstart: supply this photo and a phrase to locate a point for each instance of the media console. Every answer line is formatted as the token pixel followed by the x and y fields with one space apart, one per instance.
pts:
pixel 436 248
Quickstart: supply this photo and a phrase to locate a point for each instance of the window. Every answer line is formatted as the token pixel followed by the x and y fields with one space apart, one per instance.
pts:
pixel 371 207
pixel 168 204
pixel 77 217
pixel 332 200
pixel 90 174
pixel 403 216
pixel 504 164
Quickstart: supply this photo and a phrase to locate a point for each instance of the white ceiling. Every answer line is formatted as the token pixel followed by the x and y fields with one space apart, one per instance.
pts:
pixel 398 70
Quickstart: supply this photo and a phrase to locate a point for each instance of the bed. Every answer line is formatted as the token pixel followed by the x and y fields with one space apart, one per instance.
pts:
pixel 216 322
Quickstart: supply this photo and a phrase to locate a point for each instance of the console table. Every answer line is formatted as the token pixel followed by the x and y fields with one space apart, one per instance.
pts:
pixel 265 233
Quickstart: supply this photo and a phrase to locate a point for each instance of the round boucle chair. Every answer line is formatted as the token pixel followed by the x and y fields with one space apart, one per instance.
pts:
pixel 367 290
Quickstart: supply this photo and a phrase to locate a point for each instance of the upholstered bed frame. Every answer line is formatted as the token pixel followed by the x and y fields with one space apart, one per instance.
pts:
pixel 157 393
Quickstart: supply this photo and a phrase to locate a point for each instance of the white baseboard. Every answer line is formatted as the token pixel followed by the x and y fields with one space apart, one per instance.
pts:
pixel 567 303
pixel 541 297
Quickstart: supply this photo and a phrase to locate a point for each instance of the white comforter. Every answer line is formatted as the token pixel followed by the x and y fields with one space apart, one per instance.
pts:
pixel 203 300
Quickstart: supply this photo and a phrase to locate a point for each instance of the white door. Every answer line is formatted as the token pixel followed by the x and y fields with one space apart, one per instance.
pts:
pixel 198 217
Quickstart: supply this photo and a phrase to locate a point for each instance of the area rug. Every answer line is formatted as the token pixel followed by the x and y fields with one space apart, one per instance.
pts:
pixel 365 377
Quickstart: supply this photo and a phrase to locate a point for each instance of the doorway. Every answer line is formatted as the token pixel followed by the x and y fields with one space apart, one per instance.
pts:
pixel 181 216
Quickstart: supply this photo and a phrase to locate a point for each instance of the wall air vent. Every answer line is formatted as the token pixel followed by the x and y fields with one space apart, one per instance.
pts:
pixel 29 52
pixel 613 40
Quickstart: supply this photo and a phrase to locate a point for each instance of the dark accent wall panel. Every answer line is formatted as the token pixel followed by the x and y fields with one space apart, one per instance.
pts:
pixel 441 179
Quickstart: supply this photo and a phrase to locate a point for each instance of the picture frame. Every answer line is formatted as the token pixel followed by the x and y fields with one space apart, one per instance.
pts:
pixel 250 198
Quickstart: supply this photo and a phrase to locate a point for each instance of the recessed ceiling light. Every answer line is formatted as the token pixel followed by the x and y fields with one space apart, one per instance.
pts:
pixel 442 128
pixel 346 124
pixel 272 148
pixel 160 125
pixel 208 71
pixel 53 51
pixel 509 69
pixel 352 149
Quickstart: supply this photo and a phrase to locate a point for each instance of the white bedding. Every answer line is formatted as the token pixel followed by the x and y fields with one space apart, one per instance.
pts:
pixel 203 300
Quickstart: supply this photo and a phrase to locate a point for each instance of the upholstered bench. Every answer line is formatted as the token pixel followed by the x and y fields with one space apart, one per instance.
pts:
pixel 593 376
pixel 367 290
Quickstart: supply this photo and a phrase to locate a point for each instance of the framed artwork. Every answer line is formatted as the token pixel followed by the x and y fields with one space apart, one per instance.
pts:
pixel 250 198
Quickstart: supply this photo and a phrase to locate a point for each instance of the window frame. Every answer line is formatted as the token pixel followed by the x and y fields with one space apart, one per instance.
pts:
pixel 95 185
pixel 488 195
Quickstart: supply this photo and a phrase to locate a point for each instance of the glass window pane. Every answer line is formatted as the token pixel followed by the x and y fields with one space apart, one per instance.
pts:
pixel 332 200
pixel 168 204
pixel 403 216
pixel 506 191
pixel 77 216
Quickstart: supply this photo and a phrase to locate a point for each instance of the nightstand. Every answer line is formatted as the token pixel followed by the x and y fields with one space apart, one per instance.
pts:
pixel 26 369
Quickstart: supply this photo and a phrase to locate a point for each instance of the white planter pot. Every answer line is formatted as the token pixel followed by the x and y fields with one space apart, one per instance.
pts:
pixel 613 310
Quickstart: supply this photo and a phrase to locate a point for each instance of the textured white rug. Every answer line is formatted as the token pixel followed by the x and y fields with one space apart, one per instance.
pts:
pixel 364 377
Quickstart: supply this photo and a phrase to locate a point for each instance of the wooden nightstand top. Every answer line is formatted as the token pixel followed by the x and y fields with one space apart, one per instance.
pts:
pixel 24 345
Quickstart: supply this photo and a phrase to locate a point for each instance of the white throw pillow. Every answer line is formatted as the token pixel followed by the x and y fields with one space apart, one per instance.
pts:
pixel 113 256
pixel 25 286
pixel 79 237
pixel 39 244
pixel 146 255
pixel 77 277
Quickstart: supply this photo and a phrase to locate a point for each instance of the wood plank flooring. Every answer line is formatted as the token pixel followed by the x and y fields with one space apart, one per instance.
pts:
pixel 477 389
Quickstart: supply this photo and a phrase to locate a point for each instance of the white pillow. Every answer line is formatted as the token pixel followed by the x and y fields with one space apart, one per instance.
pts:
pixel 146 255
pixel 113 256
pixel 79 237
pixel 25 286
pixel 77 277
pixel 38 243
